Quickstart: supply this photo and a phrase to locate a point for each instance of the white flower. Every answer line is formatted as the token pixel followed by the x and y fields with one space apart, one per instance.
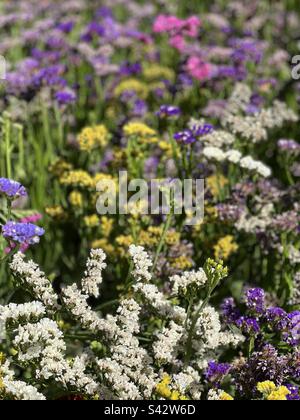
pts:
pixel 93 275
pixel 192 278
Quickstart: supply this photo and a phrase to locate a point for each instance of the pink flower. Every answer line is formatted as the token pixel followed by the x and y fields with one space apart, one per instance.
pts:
pixel 34 218
pixel 192 26
pixel 199 69
pixel 178 42
pixel 165 23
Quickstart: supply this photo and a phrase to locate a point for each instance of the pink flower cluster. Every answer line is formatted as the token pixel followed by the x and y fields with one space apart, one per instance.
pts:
pixel 177 29
pixel 199 69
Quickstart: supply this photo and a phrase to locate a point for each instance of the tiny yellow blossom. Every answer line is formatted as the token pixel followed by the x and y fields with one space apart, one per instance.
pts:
pixel 93 137
pixel 226 397
pixel 225 248
pixel 138 129
pixel 92 221
pixel 157 72
pixel 77 178
pixel 266 387
pixel 76 199
pixel 132 85
pixel 56 212
pixel 103 244
pixel 279 395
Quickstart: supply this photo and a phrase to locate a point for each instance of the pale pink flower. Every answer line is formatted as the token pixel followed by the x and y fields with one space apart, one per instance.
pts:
pixel 199 69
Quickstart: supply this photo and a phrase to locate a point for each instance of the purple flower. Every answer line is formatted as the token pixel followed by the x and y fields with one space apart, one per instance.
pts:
pixel 294 393
pixel 293 335
pixel 216 372
pixel 255 300
pixel 65 97
pixel 166 111
pixel 66 27
pixel 12 189
pixel 278 318
pixel 129 69
pixel 23 233
pixel 190 136
pixel 289 146
pixel 230 312
pixel 248 325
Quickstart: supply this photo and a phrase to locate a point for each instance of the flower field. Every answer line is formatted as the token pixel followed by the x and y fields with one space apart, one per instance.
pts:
pixel 105 292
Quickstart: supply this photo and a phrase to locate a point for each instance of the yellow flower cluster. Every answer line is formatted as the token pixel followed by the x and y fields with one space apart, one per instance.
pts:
pixel 157 72
pixel 93 137
pixel 271 392
pixel 138 129
pixel 59 167
pixel 77 178
pixel 226 397
pixel 76 199
pixel 164 390
pixel 91 221
pixel 132 85
pixel 56 212
pixel 182 263
pixel 225 248
pixel 105 245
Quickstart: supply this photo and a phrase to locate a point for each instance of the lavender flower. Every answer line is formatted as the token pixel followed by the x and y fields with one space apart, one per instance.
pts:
pixel 12 189
pixel 23 233
pixel 249 326
pixel 230 312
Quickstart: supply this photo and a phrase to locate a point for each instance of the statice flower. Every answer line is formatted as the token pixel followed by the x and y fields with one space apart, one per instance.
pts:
pixel 255 300
pixel 12 189
pixel 22 233
pixel 216 372
pixel 290 146
pixel 166 111
pixel 191 135
pixel 65 97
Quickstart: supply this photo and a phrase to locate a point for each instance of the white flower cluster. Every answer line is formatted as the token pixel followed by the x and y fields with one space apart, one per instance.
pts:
pixel 27 312
pixel 32 278
pixel 254 127
pixel 93 275
pixel 181 284
pixel 131 365
pixel 168 343
pixel 210 338
pixel 235 157
pixel 219 138
pixel 16 390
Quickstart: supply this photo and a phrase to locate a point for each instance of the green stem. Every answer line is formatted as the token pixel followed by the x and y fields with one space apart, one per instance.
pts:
pixel 162 240
pixel 7 127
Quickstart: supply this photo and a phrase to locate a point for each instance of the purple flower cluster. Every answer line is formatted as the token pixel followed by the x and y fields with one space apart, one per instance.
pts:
pixel 257 319
pixel 290 146
pixel 12 189
pixel 22 233
pixel 166 111
pixel 191 136
pixel 216 372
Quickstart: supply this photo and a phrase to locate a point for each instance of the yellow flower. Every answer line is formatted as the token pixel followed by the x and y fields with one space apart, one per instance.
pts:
pixel 103 244
pixel 92 221
pixel 132 85
pixel 106 226
pixel 266 387
pixel 279 395
pixel 163 388
pixel 226 397
pixel 182 263
pixel 59 167
pixel 56 212
pixel 76 199
pixel 156 72
pixel 225 248
pixel 216 184
pixel 77 178
pixel 92 137
pixel 138 129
